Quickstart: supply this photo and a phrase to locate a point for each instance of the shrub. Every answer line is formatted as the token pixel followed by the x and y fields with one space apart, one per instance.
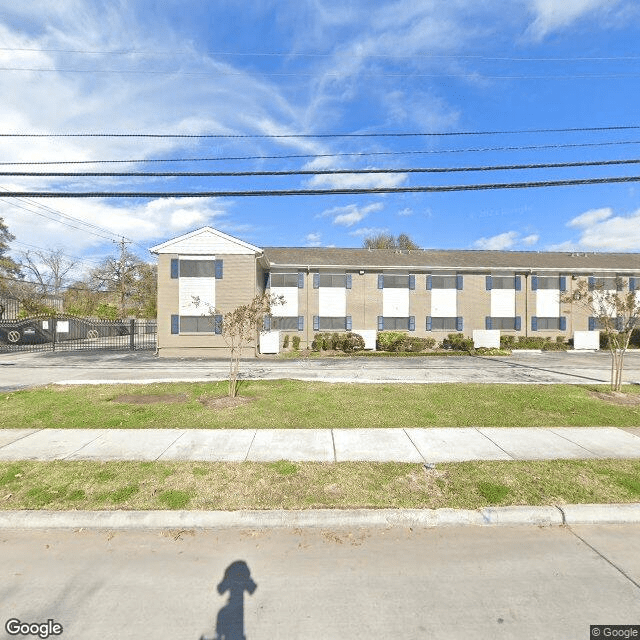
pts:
pixel 285 341
pixel 457 342
pixel 318 342
pixel 389 340
pixel 555 346
pixel 296 342
pixel 415 345
pixel 634 341
pixel 352 342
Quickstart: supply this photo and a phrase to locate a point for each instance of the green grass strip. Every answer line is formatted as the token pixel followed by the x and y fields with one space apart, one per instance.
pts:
pixel 288 485
pixel 283 404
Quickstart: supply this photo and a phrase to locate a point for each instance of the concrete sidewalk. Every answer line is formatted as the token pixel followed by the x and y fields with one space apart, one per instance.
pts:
pixel 321 445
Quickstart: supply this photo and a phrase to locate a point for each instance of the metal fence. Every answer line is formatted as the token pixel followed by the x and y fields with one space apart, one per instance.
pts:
pixel 71 333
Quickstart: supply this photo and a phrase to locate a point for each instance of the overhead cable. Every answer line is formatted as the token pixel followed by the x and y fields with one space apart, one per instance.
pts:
pixel 321 192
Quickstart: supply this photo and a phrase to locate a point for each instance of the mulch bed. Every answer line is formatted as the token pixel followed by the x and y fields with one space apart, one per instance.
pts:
pixel 616 397
pixel 224 402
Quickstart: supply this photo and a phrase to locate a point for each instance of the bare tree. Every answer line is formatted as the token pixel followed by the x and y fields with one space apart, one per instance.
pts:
pixel 239 328
pixel 617 314
pixel 388 241
pixel 49 268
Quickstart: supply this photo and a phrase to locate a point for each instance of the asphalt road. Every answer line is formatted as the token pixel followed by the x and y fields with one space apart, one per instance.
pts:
pixel 20 370
pixel 447 582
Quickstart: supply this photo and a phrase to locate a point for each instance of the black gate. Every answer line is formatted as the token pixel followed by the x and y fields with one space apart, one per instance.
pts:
pixel 70 333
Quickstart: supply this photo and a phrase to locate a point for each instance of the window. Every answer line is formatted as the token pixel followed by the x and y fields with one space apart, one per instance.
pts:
pixel 330 280
pixel 289 323
pixel 443 282
pixel 284 279
pixel 548 282
pixel 200 324
pixel 504 324
pixel 548 324
pixel 386 323
pixel 503 282
pixel 387 281
pixel 325 323
pixel 605 284
pixel 197 268
pixel 442 324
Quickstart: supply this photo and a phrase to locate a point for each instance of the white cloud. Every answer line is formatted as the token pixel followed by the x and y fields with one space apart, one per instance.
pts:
pixel 602 231
pixel 551 15
pixel 358 181
pixel 313 239
pixel 530 240
pixel 369 231
pixel 588 218
pixel 497 243
pixel 350 214
pixel 405 212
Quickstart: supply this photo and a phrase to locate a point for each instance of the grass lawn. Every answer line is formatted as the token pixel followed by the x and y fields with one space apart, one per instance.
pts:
pixel 285 485
pixel 286 404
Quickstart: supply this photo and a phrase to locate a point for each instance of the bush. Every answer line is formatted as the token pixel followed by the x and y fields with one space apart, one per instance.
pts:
pixel 352 342
pixel 390 340
pixel 555 346
pixel 296 343
pixel 457 342
pixel 415 345
pixel 285 341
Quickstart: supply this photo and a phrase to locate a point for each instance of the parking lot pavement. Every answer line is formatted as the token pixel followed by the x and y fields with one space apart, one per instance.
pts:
pixel 23 370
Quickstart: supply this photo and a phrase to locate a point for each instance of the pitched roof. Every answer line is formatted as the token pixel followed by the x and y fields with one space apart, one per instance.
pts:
pixel 472 260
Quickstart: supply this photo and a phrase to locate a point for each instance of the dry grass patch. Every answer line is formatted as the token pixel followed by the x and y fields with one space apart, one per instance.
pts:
pixel 224 402
pixel 152 398
pixel 617 397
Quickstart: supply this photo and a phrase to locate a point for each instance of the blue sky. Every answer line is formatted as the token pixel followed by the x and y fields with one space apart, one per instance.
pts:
pixel 272 67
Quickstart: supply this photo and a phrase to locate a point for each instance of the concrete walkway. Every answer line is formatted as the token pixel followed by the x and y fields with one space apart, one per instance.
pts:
pixel 321 445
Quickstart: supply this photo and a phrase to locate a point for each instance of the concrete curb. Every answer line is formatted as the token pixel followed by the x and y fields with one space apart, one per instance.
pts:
pixel 330 518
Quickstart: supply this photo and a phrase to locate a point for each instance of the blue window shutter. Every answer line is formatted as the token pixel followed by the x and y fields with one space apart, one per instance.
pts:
pixel 487 321
pixel 217 324
pixel 619 284
pixel 347 282
pixel 412 323
pixel 267 280
pixel 218 269
pixel 316 280
pixel 347 323
pixel 518 323
pixel 619 324
pixel 412 281
pixel 300 323
pixel 175 266
pixel 380 323
pixel 428 323
pixel 266 323
pixel 316 323
pixel 459 323
pixel 592 324
pixel 380 281
pixel 300 280
pixel 175 324
pixel 488 283
pixel 518 283
pixel 632 284
pixel 592 283
pixel 563 323
pixel 459 283
pixel 563 283
pixel 534 283
pixel 534 323
pixel 428 283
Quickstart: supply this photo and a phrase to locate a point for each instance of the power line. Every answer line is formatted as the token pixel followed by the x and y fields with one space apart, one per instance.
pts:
pixel 291 54
pixel 399 134
pixel 321 192
pixel 307 172
pixel 365 74
pixel 332 155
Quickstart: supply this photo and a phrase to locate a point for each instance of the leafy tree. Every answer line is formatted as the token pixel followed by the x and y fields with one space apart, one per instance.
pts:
pixel 617 314
pixel 388 241
pixel 240 328
pixel 9 269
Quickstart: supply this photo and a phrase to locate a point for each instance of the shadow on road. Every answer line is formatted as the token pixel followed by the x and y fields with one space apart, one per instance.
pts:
pixel 230 619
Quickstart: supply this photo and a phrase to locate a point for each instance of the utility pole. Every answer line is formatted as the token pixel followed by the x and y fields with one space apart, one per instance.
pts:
pixel 122 274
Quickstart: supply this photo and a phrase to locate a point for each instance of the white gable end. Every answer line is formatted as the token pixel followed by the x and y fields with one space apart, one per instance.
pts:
pixel 206 241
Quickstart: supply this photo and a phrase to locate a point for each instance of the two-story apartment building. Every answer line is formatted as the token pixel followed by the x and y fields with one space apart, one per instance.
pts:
pixel 425 292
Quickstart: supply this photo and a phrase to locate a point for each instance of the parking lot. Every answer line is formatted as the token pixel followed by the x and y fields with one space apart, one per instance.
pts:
pixel 22 370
